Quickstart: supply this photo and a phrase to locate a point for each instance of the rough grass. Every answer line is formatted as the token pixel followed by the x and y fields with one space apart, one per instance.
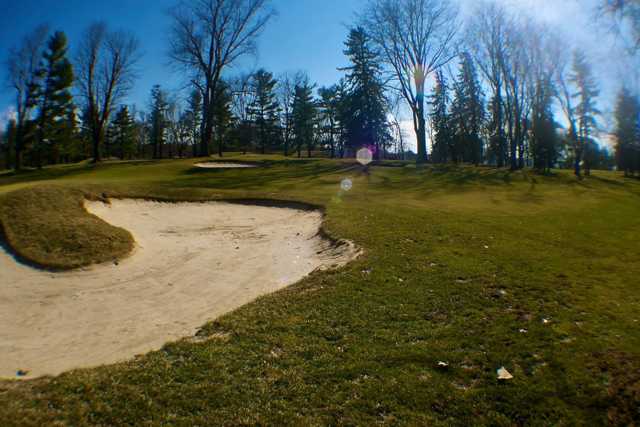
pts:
pixel 50 228
pixel 458 261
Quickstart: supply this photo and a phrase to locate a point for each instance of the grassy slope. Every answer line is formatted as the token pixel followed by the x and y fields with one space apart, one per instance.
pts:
pixel 458 261
pixel 49 227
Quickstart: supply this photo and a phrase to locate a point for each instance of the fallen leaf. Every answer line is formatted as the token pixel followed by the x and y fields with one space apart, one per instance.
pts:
pixel 504 375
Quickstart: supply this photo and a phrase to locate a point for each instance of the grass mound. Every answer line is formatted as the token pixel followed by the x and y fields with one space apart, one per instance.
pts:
pixel 49 227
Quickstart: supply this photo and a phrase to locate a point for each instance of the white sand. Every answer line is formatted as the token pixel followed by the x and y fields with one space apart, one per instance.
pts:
pixel 193 262
pixel 223 165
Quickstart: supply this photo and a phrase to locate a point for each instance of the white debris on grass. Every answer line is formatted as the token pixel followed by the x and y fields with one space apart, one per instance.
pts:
pixel 503 374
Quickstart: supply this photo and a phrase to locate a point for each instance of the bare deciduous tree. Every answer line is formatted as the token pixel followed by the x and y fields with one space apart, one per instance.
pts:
pixel 486 34
pixel 516 74
pixel 415 37
pixel 208 36
pixel 22 64
pixel 105 73
pixel 626 20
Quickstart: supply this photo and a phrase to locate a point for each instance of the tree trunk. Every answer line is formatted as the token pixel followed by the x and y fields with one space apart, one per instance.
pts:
pixel 520 146
pixel 95 136
pixel 18 147
pixel 18 159
pixel 421 131
pixel 205 141
pixel 207 127
pixel 500 125
pixel 577 164
pixel 513 139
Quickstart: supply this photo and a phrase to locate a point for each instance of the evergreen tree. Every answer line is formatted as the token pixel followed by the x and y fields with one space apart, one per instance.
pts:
pixel 193 119
pixel 627 132
pixel 544 138
pixel 223 117
pixel 123 133
pixel 264 108
pixel 71 146
pixel 343 110
pixel 329 113
pixel 586 110
pixel 142 131
pixel 10 141
pixel 304 115
pixel 440 119
pixel 467 114
pixel 159 106
pixel 367 124
pixel 54 98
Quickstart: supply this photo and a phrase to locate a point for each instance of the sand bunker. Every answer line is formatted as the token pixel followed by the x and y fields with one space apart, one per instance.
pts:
pixel 193 262
pixel 223 165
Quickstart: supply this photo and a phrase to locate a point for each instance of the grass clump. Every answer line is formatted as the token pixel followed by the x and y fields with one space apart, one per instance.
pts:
pixel 49 227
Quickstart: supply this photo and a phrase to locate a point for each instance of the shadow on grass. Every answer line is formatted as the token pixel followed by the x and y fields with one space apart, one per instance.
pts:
pixel 442 177
pixel 270 173
pixel 19 259
pixel 67 171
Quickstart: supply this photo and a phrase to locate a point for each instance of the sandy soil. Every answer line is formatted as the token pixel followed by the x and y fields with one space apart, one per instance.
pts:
pixel 192 263
pixel 223 165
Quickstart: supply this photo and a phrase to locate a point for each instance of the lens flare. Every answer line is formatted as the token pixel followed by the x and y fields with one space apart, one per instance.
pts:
pixel 346 184
pixel 419 79
pixel 364 156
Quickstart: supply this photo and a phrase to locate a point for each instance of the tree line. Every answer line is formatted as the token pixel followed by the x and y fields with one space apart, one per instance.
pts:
pixel 498 89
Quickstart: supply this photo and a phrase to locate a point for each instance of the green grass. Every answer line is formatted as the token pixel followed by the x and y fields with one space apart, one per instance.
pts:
pixel 457 261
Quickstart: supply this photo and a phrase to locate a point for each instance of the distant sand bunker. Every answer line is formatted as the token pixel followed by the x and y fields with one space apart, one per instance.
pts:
pixel 223 165
pixel 193 262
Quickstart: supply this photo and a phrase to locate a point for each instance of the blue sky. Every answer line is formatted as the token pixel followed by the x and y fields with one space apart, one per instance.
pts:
pixel 306 35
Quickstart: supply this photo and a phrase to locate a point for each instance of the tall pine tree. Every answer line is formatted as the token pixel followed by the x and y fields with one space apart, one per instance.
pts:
pixel 123 133
pixel 264 108
pixel 467 114
pixel 159 106
pixel 223 118
pixel 367 124
pixel 53 98
pixel 544 138
pixel 329 117
pixel 304 116
pixel 10 141
pixel 440 119
pixel 627 132
pixel 193 119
